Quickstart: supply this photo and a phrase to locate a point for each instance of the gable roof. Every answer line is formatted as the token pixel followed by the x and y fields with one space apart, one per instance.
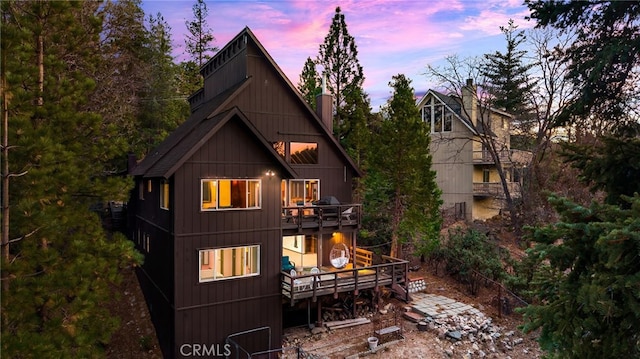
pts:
pixel 165 161
pixel 211 115
pixel 165 150
pixel 452 105
pixel 312 113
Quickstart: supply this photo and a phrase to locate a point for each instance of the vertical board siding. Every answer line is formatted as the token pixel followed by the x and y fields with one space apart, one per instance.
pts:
pixel 201 307
pixel 206 313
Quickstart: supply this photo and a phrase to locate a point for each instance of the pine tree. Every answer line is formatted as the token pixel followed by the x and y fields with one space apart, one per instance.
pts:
pixel 400 185
pixel 309 84
pixel 587 279
pixel 199 40
pixel 61 265
pixel 338 56
pixel 162 106
pixel 123 73
pixel 603 60
pixel 507 74
pixel 613 167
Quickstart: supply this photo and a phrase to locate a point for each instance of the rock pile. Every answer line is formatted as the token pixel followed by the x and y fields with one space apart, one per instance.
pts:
pixel 474 335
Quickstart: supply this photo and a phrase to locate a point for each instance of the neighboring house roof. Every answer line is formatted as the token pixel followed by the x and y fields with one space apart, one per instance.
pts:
pixel 452 104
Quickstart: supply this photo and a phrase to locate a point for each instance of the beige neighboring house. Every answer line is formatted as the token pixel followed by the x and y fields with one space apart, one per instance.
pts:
pixel 466 172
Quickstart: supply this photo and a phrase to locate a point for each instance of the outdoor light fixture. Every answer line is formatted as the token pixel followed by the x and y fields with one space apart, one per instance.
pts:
pixel 270 173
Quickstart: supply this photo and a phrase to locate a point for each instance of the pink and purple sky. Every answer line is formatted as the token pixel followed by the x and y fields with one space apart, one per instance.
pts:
pixel 392 36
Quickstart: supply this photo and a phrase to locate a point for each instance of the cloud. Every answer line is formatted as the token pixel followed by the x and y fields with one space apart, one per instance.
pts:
pixel 392 36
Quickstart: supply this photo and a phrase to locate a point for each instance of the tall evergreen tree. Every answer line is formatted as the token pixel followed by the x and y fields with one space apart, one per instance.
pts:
pixel 401 192
pixel 507 73
pixel 586 283
pixel 613 167
pixel 163 107
pixel 603 60
pixel 61 265
pixel 338 57
pixel 199 40
pixel 123 73
pixel 310 83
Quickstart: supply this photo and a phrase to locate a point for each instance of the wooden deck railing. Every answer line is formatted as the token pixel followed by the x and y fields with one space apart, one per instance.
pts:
pixel 331 217
pixel 392 272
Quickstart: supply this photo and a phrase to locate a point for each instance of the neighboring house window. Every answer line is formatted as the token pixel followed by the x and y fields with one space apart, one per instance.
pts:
pixel 220 194
pixel 303 153
pixel 486 176
pixel 227 263
pixel 437 116
pixel 164 195
pixel 304 191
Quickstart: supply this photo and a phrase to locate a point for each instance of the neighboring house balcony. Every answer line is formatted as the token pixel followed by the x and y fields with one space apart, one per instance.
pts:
pixel 495 190
pixel 328 280
pixel 320 218
pixel 484 157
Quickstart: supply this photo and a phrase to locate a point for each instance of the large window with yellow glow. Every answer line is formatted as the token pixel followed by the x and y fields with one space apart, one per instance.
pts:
pixel 224 194
pixel 227 263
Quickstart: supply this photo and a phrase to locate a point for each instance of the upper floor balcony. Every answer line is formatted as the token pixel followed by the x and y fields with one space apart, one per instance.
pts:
pixel 495 190
pixel 320 218
pixel 484 157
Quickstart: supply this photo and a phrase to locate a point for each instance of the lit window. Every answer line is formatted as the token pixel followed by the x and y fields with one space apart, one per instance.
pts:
pixel 304 191
pixel 219 194
pixel 304 153
pixel 164 195
pixel 227 263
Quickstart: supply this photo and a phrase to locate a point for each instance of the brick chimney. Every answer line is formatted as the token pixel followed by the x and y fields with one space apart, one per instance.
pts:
pixel 324 106
pixel 470 101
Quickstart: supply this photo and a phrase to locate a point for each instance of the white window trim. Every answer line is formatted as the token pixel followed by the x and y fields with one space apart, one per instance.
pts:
pixel 215 251
pixel 304 181
pixel 432 103
pixel 258 205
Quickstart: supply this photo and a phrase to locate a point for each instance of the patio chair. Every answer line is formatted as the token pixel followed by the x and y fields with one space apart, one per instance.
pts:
pixel 297 283
pixel 287 265
pixel 346 214
pixel 339 255
pixel 315 270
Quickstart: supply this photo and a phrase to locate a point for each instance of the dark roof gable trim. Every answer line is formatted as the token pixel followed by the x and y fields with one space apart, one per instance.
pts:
pixel 248 34
pixel 234 113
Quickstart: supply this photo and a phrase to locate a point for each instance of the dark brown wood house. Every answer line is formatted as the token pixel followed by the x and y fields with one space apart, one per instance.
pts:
pixel 232 201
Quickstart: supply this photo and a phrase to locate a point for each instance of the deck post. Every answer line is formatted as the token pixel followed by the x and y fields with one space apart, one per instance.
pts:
pixel 319 321
pixel 355 304
pixel 308 313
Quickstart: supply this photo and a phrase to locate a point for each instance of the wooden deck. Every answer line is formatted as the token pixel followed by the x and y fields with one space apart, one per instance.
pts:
pixel 298 219
pixel 393 273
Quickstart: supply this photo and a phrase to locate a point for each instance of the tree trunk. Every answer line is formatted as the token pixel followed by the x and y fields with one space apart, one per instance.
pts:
pixel 5 160
pixel 395 225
